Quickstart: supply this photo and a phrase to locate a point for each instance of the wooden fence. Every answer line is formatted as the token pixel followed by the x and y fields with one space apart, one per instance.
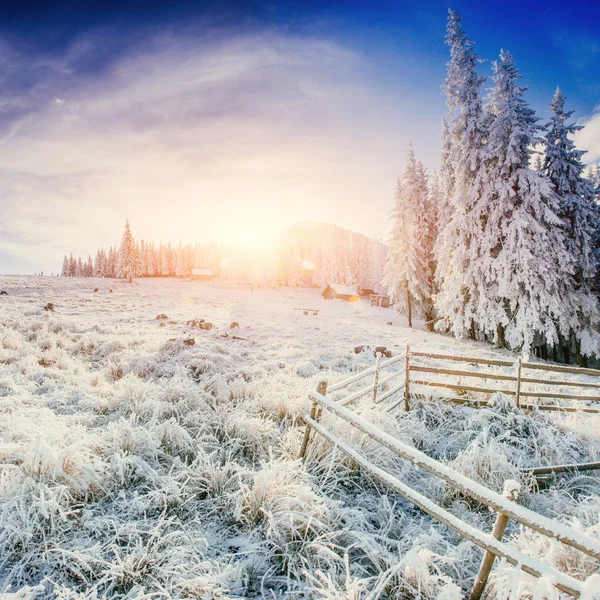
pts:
pixel 504 505
pixel 517 385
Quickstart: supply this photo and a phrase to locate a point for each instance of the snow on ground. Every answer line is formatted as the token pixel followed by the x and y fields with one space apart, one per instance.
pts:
pixel 135 466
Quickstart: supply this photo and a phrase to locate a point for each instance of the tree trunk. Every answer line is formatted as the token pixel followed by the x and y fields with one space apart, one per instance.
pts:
pixel 544 352
pixel 566 354
pixel 581 360
pixel 409 307
pixel 429 319
pixel 472 330
pixel 555 353
pixel 501 338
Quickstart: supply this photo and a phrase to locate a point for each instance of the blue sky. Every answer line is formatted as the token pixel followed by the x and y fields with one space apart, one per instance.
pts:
pixel 211 119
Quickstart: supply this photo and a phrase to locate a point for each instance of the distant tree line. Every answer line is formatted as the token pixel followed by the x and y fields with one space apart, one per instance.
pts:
pixel 332 255
pixel 503 245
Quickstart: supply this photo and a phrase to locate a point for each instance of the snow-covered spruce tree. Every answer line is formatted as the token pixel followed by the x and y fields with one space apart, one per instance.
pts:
pixel 445 185
pixel 522 254
pixel 72 266
pixel 65 267
pixel 462 158
pixel 377 259
pixel 407 274
pixel 334 265
pixel 129 259
pixel 436 200
pixel 565 169
pixel 428 226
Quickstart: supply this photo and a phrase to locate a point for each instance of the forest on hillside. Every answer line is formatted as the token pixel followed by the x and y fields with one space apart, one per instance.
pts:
pixel 306 254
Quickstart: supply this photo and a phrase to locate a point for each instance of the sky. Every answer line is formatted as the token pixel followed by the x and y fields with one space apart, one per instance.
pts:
pixel 219 120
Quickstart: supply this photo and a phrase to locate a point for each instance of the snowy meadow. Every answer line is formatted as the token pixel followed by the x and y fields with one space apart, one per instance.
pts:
pixel 135 465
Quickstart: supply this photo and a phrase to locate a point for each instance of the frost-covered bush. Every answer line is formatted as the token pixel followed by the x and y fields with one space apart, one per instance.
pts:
pixel 290 515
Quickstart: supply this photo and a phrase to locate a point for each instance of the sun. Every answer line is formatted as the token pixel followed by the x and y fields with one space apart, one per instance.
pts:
pixel 252 238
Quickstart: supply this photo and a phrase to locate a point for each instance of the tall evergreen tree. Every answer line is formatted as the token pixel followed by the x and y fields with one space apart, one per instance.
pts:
pixel 72 266
pixel 462 144
pixel 407 274
pixel 522 252
pixel 446 176
pixel 129 259
pixel 565 169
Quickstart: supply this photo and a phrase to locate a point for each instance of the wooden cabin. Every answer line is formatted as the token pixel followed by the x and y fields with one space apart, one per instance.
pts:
pixel 366 292
pixel 341 292
pixel 379 300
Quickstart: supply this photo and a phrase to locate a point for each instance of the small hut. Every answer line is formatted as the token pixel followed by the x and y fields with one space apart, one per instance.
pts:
pixel 342 292
pixel 366 291
pixel 202 274
pixel 379 300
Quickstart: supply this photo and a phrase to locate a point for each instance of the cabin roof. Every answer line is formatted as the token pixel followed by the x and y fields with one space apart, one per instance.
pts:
pixel 343 290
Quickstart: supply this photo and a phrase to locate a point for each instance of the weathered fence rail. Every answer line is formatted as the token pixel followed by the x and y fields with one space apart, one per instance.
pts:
pixel 504 505
pixel 514 385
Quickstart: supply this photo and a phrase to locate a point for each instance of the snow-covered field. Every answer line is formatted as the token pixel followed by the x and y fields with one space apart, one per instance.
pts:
pixel 135 466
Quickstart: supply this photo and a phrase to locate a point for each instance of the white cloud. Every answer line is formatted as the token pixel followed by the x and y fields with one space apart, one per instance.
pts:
pixel 192 141
pixel 589 137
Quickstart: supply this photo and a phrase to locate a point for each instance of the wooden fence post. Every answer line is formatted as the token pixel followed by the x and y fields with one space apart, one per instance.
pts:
pixel 321 389
pixel 511 491
pixel 377 369
pixel 518 396
pixel 407 379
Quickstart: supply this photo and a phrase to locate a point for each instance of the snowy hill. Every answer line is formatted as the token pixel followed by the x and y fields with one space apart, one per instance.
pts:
pixel 314 233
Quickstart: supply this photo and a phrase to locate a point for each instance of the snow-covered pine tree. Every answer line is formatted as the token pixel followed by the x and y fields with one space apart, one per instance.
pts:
pixel 333 263
pixel 407 275
pixel 129 259
pixel 435 203
pixel 445 184
pixel 522 255
pixel 360 262
pixel 377 256
pixel 72 266
pixel 565 169
pixel 179 261
pixel 341 271
pixel 98 264
pixel 168 260
pixel 143 256
pixel 150 259
pixel 65 267
pixel 463 154
pixel 113 262
pixel 162 261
